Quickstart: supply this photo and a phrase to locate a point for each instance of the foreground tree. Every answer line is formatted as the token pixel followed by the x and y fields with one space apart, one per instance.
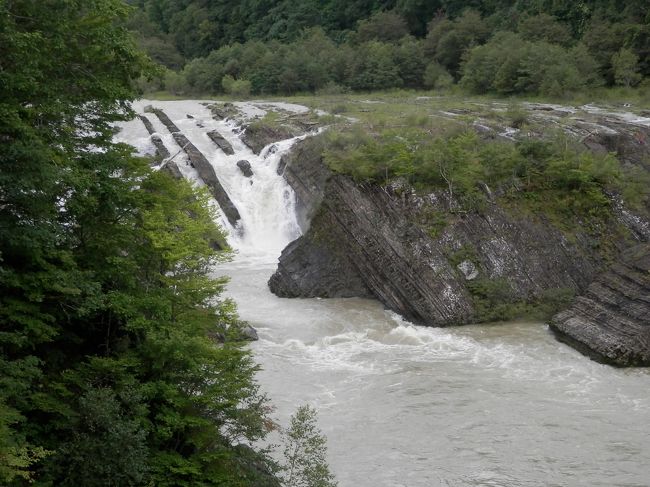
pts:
pixel 107 374
pixel 304 452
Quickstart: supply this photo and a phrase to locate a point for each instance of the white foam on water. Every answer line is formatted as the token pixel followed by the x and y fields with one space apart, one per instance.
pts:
pixel 265 201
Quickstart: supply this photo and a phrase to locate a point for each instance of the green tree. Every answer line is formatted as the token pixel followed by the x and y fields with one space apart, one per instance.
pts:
pixel 544 27
pixel 107 372
pixel 304 452
pixel 383 27
pixel 626 68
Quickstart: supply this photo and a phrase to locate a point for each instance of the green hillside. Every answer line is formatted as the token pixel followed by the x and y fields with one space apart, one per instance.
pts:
pixel 504 47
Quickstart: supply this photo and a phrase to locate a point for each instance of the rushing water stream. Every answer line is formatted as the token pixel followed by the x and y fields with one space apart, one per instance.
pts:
pixel 497 405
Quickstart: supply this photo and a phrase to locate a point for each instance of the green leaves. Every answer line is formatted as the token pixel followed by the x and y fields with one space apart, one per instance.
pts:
pixel 107 373
pixel 304 452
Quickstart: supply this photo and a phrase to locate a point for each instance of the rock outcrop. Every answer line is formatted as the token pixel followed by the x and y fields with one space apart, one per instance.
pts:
pixel 221 142
pixel 611 321
pixel 161 151
pixel 306 173
pixel 172 169
pixel 259 135
pixel 367 240
pixel 245 168
pixel 147 123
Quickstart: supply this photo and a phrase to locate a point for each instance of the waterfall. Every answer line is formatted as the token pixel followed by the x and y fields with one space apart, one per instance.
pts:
pixel 265 201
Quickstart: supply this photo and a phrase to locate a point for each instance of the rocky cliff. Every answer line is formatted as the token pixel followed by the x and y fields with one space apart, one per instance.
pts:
pixel 368 240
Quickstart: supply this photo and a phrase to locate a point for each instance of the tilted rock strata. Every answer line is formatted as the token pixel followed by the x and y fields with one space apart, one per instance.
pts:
pixel 306 173
pixel 147 123
pixel 611 321
pixel 204 168
pixel 368 236
pixel 161 150
pixel 256 137
pixel 221 142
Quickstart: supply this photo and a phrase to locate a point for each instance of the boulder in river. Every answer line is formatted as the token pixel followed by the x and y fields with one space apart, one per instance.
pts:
pixel 221 142
pixel 245 167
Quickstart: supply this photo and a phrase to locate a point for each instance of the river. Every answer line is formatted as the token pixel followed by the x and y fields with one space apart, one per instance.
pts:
pixel 408 406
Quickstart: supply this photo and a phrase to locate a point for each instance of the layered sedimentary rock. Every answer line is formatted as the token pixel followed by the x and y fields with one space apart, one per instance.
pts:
pixel 368 240
pixel 161 150
pixel 610 322
pixel 258 136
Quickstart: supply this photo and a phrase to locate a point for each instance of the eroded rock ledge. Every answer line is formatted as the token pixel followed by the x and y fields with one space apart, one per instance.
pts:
pixel 611 321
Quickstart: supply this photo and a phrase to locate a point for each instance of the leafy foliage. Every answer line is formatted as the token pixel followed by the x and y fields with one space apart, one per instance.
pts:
pixel 107 372
pixel 569 182
pixel 285 46
pixel 304 452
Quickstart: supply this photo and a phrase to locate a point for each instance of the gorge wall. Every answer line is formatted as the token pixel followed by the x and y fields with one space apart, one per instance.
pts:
pixel 369 240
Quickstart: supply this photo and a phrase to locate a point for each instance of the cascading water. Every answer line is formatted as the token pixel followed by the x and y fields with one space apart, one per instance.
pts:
pixel 264 200
pixel 491 405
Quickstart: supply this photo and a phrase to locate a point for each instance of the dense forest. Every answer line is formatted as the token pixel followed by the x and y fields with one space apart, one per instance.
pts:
pixel 549 47
pixel 120 363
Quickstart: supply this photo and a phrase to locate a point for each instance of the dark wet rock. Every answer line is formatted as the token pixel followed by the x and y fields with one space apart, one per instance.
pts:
pixel 247 333
pixel 273 149
pixel 221 142
pixel 316 270
pixel 166 121
pixel 281 166
pixel 161 150
pixel 209 177
pixel 223 111
pixel 204 168
pixel 610 322
pixel 148 125
pixel 172 169
pixel 239 332
pixel 245 168
pixel 259 135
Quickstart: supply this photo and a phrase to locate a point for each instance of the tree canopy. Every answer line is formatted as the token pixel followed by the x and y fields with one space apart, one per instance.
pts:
pixel 107 372
pixel 287 47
